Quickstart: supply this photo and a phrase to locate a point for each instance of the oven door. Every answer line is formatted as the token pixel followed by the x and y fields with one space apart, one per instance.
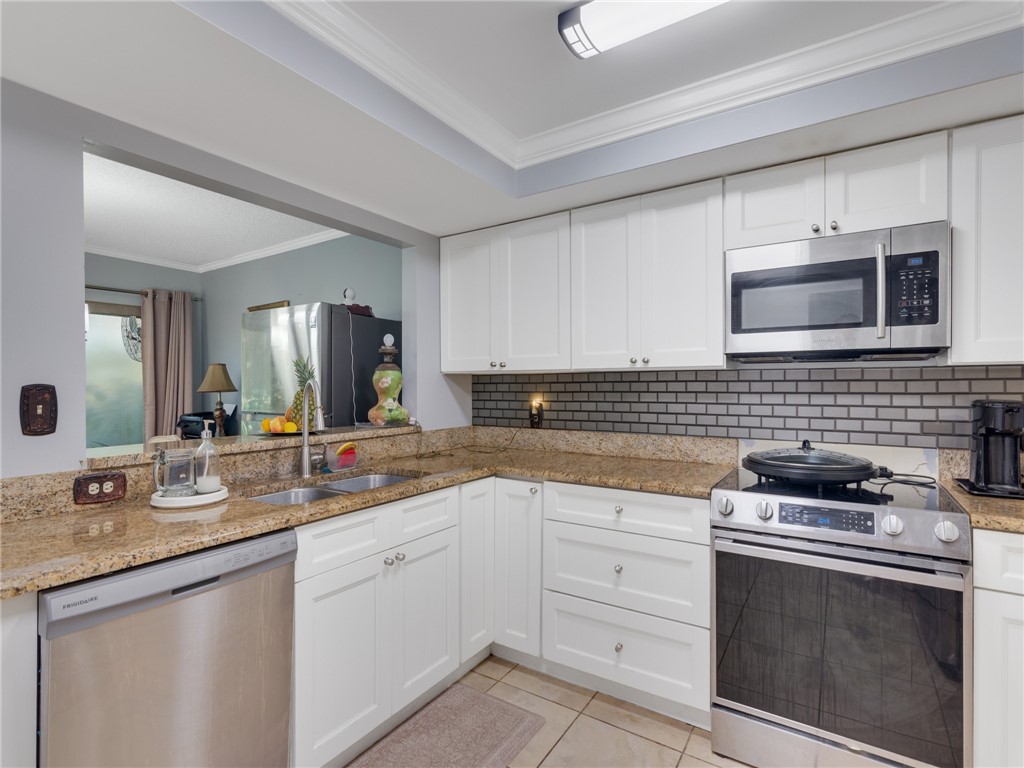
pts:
pixel 867 658
pixel 823 295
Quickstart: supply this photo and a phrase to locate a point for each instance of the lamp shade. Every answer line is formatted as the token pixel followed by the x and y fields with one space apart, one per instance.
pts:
pixel 217 379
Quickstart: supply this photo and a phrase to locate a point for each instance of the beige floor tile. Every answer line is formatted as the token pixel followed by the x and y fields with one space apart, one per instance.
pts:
pixel 689 761
pixel 699 746
pixel 557 720
pixel 643 722
pixel 566 694
pixel 594 744
pixel 494 668
pixel 480 682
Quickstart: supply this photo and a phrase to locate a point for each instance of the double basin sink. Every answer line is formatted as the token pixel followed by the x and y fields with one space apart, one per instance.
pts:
pixel 331 489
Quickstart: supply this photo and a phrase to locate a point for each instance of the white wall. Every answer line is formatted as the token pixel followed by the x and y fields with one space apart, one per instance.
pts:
pixel 42 274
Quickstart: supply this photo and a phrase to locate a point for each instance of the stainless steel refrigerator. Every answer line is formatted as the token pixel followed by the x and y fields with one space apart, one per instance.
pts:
pixel 342 347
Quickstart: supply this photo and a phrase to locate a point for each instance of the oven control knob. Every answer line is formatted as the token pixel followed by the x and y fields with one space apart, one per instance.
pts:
pixel 764 510
pixel 892 525
pixel 725 507
pixel 947 532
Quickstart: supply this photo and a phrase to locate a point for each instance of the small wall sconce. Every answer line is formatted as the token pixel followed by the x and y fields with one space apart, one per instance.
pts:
pixel 536 414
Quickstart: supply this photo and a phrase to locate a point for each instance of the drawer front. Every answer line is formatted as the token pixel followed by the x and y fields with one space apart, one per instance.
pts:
pixel 661 657
pixel 652 514
pixel 328 544
pixel 422 515
pixel 999 561
pixel 666 578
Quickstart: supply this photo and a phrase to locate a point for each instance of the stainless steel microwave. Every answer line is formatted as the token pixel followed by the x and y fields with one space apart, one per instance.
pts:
pixel 879 295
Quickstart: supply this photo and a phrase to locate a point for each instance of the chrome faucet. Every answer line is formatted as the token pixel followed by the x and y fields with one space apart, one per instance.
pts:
pixel 318 423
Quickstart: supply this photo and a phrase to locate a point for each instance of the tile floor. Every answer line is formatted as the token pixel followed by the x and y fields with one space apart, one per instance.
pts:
pixel 584 729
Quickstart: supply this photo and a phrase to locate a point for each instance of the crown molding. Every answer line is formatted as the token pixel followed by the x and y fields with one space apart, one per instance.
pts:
pixel 915 34
pixel 167 263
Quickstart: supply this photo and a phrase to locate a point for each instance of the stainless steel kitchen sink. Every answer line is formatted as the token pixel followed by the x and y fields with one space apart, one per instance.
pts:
pixel 364 482
pixel 299 495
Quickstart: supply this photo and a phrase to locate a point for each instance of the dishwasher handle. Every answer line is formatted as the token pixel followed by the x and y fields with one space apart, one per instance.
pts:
pixel 67 609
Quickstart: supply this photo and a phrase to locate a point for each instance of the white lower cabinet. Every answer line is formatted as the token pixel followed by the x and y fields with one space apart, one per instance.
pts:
pixel 518 516
pixel 476 545
pixel 998 649
pixel 374 633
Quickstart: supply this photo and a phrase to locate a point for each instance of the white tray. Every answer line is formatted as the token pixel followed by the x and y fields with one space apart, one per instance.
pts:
pixel 180 502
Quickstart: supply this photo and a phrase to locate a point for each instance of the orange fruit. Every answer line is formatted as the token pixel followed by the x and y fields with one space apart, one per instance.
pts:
pixel 290 426
pixel 265 425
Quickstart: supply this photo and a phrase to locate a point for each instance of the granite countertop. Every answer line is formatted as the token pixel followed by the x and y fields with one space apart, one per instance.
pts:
pixel 95 540
pixel 989 513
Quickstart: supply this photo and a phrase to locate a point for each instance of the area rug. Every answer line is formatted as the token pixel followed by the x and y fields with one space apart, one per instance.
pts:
pixel 461 728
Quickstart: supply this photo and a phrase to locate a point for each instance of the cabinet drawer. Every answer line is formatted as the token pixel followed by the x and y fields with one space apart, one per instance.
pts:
pixel 422 515
pixel 661 657
pixel 653 514
pixel 999 561
pixel 642 573
pixel 327 544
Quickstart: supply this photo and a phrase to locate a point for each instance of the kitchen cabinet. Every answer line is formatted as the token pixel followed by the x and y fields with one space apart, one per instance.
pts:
pixel 647 287
pixel 887 185
pixel 518 516
pixel 372 633
pixel 476 543
pixel 627 589
pixel 998 649
pixel 505 298
pixel 987 197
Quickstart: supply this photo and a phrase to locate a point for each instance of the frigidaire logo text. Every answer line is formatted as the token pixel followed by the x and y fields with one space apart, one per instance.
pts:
pixel 77 603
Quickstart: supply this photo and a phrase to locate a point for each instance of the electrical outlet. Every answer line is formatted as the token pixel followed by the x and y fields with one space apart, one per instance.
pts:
pixel 100 487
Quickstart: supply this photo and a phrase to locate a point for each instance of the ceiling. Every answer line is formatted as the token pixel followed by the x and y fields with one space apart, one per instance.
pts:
pixel 447 116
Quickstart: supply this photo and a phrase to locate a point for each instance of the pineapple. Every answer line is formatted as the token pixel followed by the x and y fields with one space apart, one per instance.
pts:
pixel 304 372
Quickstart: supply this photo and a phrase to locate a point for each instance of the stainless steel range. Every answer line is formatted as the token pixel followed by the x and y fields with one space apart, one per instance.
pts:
pixel 842 621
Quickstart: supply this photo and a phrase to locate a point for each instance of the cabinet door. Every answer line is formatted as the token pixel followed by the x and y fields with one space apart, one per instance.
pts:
pixel 682 278
pixel 476 543
pixel 343 652
pixel 889 185
pixel 531 295
pixel 466 266
pixel 424 599
pixel 998 678
pixel 605 246
pixel 517 562
pixel 988 240
pixel 775 205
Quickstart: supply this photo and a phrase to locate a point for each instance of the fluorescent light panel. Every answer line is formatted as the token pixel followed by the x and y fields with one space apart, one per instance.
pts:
pixel 597 26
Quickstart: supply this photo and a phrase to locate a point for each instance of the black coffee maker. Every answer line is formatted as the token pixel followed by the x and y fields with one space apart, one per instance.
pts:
pixel 997 427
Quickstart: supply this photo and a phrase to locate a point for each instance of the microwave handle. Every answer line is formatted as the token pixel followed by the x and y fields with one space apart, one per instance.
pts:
pixel 880 300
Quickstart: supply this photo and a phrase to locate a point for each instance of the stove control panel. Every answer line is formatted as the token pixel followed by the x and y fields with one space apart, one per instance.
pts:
pixel 813 516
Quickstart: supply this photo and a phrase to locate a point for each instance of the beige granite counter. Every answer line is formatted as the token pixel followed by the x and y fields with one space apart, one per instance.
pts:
pixel 54 549
pixel 989 512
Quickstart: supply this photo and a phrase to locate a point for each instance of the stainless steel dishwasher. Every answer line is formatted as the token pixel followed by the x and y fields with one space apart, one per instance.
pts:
pixel 186 662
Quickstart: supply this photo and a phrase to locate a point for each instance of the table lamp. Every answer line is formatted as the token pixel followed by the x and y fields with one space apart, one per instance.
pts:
pixel 217 380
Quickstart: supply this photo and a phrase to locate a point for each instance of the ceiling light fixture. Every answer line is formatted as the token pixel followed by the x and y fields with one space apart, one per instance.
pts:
pixel 594 27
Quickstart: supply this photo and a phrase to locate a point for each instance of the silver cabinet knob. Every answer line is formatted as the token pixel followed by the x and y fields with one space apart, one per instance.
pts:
pixel 400 557
pixel 892 525
pixel 947 531
pixel 833 225
pixel 632 361
pixel 815 228
pixel 389 561
pixel 618 510
pixel 493 364
pixel 764 510
pixel 617 569
pixel 502 364
pixel 618 647
pixel 646 360
pixel 725 507
pixel 533 489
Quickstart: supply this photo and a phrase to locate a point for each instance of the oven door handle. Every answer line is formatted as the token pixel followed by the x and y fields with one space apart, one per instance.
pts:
pixel 949 581
pixel 881 277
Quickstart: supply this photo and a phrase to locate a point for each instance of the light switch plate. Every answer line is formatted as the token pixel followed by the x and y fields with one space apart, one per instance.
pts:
pixel 100 487
pixel 38 409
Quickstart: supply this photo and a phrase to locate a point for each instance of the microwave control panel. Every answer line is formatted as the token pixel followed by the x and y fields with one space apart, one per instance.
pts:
pixel 914 288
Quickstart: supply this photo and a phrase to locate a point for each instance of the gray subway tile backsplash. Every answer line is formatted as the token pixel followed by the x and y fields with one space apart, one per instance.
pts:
pixel 919 407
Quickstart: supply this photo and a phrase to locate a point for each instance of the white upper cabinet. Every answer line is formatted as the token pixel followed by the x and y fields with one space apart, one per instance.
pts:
pixel 505 298
pixel 888 185
pixel 648 281
pixel 988 242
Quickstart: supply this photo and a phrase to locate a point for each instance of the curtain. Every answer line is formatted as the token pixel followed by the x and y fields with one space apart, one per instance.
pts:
pixel 166 359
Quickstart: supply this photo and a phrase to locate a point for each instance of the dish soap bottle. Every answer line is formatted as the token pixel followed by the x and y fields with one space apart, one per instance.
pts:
pixel 207 463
